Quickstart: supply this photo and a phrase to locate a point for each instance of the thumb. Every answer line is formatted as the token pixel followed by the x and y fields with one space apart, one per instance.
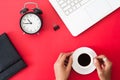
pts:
pixel 98 66
pixel 69 66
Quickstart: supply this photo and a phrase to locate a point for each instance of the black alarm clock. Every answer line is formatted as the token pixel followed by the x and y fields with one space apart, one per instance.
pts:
pixel 31 22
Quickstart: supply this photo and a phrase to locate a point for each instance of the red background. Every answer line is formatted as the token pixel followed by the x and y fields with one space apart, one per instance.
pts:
pixel 41 51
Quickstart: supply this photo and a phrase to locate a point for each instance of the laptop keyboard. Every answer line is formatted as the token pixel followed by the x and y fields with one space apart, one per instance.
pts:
pixel 69 6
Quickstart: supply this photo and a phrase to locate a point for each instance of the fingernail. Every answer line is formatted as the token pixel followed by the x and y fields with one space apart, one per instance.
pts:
pixel 104 59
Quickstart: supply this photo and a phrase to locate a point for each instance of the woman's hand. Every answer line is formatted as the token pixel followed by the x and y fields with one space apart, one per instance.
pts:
pixel 103 66
pixel 62 66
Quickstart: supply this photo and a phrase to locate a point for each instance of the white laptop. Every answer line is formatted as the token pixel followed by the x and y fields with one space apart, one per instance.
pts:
pixel 79 15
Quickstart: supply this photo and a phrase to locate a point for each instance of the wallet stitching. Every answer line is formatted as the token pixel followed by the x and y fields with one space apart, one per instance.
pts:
pixel 10 65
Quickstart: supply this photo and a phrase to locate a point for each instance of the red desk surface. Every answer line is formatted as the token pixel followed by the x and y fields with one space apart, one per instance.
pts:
pixel 41 51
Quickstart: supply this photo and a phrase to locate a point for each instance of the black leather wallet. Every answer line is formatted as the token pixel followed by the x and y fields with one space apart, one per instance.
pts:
pixel 10 60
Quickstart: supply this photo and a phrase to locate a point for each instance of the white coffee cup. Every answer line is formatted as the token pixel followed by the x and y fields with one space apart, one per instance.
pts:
pixel 83 60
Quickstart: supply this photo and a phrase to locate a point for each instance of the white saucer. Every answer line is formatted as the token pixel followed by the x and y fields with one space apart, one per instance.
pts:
pixel 83 69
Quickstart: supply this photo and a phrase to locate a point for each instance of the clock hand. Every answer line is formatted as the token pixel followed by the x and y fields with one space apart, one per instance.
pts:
pixel 26 23
pixel 29 21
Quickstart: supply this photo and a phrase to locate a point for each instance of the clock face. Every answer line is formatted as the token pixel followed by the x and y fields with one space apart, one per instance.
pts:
pixel 30 23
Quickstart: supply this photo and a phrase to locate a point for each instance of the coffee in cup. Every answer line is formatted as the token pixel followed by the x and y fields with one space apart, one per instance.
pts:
pixel 84 59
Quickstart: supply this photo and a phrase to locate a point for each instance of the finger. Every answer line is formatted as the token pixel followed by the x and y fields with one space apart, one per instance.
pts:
pixel 63 58
pixel 69 66
pixel 103 59
pixel 69 53
pixel 98 66
pixel 101 56
pixel 61 54
pixel 106 61
pixel 108 64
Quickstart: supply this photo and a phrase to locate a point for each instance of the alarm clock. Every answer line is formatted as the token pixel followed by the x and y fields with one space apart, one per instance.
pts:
pixel 31 22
